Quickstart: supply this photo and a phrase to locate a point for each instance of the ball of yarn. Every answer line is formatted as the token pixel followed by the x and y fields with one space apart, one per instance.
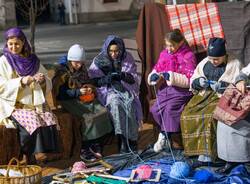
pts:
pixel 203 175
pixel 78 166
pixel 180 170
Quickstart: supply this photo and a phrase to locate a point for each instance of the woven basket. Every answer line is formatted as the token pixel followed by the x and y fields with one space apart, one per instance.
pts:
pixel 32 173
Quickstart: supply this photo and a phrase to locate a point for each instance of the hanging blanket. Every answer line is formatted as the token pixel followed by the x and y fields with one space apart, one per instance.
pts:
pixel 198 22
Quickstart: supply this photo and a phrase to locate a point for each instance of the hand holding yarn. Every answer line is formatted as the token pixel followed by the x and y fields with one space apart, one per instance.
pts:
pixel 154 77
pixel 27 80
pixel 116 76
pixel 39 78
pixel 241 85
pixel 214 85
pixel 203 82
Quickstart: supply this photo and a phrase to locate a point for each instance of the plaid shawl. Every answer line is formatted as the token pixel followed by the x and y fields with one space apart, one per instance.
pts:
pixel 198 22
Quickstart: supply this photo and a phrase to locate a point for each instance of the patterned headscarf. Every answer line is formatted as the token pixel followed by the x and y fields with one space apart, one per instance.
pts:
pixel 24 66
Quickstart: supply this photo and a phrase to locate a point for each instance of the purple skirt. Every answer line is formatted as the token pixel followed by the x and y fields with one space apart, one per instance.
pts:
pixel 170 103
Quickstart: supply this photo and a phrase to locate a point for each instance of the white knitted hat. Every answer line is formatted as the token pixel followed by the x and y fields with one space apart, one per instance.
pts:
pixel 76 53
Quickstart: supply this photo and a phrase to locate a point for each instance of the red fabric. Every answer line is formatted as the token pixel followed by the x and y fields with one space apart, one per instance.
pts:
pixel 198 22
pixel 232 106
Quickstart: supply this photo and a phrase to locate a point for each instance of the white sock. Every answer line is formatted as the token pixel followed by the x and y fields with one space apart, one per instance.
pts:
pixel 204 158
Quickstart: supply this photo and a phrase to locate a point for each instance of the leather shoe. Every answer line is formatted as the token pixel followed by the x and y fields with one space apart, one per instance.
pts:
pixel 227 168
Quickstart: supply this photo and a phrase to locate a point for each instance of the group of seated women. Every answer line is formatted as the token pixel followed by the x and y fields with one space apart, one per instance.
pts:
pixel 189 113
pixel 105 98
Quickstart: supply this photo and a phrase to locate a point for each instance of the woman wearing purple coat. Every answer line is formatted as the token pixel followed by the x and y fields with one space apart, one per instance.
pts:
pixel 118 89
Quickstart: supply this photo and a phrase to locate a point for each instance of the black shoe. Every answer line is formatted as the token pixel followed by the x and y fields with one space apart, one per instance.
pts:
pixel 196 163
pixel 122 143
pixel 133 145
pixel 96 150
pixel 227 168
pixel 87 156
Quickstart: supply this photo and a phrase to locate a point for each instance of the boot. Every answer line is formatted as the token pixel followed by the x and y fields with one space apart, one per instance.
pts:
pixel 122 143
pixel 133 145
pixel 176 141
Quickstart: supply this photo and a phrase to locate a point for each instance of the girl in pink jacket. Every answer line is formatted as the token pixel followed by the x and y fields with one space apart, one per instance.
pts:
pixel 176 65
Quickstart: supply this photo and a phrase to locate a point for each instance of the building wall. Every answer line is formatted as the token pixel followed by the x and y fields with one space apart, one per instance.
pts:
pixel 98 11
pixel 7 14
pixel 96 6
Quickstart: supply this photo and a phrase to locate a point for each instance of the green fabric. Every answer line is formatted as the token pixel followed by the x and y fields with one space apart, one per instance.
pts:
pixel 101 180
pixel 95 121
pixel 199 136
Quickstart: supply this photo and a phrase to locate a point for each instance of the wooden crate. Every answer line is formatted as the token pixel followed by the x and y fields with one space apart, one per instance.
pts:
pixel 9 144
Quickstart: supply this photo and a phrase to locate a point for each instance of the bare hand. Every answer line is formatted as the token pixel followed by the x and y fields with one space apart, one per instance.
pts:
pixel 39 78
pixel 83 91
pixel 27 80
pixel 89 90
pixel 241 86
pixel 140 125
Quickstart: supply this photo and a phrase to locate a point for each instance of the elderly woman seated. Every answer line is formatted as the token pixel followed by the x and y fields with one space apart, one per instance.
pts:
pixel 209 80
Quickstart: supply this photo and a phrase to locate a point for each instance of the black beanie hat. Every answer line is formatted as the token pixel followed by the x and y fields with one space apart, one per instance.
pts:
pixel 216 47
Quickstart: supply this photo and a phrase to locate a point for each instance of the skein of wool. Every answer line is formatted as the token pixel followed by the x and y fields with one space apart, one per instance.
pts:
pixel 203 175
pixel 180 170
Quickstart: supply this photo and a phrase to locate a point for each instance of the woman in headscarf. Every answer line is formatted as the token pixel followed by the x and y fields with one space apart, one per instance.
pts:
pixel 76 93
pixel 24 84
pixel 114 69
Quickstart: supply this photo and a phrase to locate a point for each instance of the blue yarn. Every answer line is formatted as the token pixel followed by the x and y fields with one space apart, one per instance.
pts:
pixel 180 170
pixel 203 175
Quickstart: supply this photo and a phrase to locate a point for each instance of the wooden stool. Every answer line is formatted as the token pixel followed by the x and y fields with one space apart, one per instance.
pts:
pixel 9 144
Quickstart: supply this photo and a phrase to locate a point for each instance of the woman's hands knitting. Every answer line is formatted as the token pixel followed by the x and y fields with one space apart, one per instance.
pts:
pixel 39 78
pixel 241 85
pixel 86 90
pixel 27 80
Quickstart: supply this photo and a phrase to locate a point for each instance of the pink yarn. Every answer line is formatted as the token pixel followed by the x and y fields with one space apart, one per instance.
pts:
pixel 78 166
pixel 144 172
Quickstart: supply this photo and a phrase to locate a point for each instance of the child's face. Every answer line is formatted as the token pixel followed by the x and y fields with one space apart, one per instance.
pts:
pixel 76 64
pixel 172 47
pixel 216 61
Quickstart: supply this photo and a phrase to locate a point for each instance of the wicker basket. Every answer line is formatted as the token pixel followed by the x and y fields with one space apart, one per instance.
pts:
pixel 32 173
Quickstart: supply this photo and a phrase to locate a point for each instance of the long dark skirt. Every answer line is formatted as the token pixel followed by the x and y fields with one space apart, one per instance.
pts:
pixel 95 120
pixel 43 140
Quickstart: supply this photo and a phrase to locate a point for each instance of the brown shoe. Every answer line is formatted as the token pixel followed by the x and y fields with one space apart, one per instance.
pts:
pixel 176 141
